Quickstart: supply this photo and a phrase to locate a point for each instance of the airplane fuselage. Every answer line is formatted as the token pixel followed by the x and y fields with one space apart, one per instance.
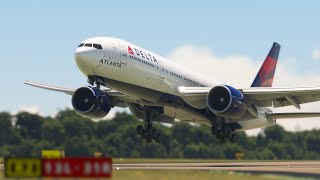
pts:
pixel 153 80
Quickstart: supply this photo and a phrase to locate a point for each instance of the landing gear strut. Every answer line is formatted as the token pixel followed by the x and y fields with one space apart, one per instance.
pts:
pixel 95 80
pixel 148 132
pixel 223 131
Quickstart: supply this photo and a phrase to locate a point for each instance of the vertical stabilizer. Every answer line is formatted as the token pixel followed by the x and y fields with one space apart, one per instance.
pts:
pixel 265 75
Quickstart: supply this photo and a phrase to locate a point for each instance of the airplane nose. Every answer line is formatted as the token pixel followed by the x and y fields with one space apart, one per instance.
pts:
pixel 85 60
pixel 80 57
pixel 83 57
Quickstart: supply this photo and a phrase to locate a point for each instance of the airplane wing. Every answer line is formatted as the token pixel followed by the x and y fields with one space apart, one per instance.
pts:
pixel 118 98
pixel 293 115
pixel 52 88
pixel 265 96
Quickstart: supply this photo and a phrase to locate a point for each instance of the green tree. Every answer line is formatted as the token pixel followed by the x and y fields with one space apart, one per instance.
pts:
pixel 313 141
pixel 77 147
pixel 80 136
pixel 274 133
pixel 53 131
pixel 30 124
pixel 7 133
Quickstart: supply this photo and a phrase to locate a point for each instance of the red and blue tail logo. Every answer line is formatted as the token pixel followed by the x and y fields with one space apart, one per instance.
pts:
pixel 265 75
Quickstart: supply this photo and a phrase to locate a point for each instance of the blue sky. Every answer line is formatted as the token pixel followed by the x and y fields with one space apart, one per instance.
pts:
pixel 38 38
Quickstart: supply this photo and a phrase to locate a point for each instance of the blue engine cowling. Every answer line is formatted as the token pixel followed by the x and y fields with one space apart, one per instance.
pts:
pixel 91 102
pixel 226 101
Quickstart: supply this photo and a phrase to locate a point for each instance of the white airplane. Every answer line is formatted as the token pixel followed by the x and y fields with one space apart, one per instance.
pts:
pixel 156 89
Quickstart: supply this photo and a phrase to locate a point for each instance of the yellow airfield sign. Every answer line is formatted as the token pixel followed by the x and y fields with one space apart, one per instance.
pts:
pixel 52 154
pixel 23 167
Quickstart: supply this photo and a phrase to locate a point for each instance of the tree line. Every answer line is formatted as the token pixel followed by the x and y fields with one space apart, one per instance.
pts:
pixel 79 136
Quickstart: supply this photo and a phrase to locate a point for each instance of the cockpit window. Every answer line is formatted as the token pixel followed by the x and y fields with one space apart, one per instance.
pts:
pixel 88 45
pixel 97 46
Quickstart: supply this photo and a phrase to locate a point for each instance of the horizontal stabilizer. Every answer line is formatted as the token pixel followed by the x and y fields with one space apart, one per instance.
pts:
pixel 293 115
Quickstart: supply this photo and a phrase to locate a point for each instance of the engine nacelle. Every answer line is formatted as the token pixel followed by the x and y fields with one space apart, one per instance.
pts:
pixel 91 102
pixel 226 101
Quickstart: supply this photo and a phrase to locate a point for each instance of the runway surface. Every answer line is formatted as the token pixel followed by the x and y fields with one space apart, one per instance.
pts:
pixel 293 168
pixel 301 168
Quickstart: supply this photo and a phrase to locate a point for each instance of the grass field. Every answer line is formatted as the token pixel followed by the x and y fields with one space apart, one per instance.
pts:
pixel 185 175
pixel 192 175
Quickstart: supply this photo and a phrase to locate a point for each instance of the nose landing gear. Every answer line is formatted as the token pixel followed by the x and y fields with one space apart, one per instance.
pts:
pixel 95 80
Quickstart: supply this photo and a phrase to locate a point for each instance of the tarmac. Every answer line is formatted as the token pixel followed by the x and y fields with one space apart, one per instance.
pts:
pixel 292 168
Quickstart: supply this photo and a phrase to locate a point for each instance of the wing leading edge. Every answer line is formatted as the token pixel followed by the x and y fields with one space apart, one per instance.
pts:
pixel 70 91
pixel 49 87
pixel 265 96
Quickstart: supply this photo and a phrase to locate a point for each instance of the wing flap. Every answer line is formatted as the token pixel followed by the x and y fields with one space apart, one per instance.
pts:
pixel 270 93
pixel 293 115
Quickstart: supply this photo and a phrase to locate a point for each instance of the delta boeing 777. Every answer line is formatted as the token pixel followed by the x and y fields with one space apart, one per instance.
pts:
pixel 157 89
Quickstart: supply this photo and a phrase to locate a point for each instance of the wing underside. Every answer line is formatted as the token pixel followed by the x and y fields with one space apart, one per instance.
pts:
pixel 293 115
pixel 265 97
pixel 117 98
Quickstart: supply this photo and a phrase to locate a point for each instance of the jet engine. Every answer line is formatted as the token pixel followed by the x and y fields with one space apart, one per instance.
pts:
pixel 91 102
pixel 226 101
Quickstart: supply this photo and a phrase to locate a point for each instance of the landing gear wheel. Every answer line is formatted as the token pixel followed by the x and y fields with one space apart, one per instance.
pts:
pixel 144 135
pixel 148 132
pixel 214 130
pixel 233 138
pixel 222 140
pixel 230 134
pixel 139 130
pixel 148 139
pixel 157 139
pixel 223 131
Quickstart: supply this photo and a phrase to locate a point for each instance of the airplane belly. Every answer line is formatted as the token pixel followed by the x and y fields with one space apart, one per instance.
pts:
pixel 134 90
pixel 183 113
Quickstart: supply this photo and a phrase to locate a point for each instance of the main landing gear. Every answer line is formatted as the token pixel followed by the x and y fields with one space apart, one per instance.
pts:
pixel 223 131
pixel 148 132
